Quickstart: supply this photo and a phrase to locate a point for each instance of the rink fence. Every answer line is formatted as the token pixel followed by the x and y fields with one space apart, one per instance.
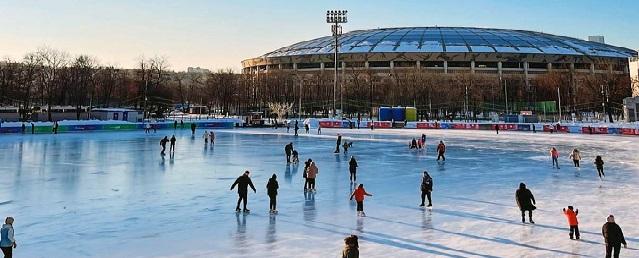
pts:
pixel 76 126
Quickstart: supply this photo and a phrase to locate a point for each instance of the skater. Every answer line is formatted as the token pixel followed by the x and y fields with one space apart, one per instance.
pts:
pixel 212 137
pixel 441 150
pixel 271 189
pixel 534 128
pixel 427 188
pixel 339 142
pixel 296 128
pixel 288 126
pixel 319 129
pixel 612 235
pixel 554 154
pixel 346 146
pixel 352 168
pixel 181 123
pixel 296 158
pixel 7 242
pixel 571 215
pixel 576 157
pixel 206 137
pixel 372 126
pixel 147 128
pixel 413 144
pixel 526 202
pixel 32 128
pixel 55 127
pixel 497 129
pixel 306 128
pixel 599 164
pixel 359 194
pixel 311 174
pixel 172 148
pixel 163 144
pixel 175 125
pixel 351 247
pixel 423 139
pixel 193 126
pixel 24 128
pixel 288 149
pixel 243 182
pixel 307 164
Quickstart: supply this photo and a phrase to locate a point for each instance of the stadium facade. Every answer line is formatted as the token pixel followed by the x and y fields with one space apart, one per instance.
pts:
pixel 448 50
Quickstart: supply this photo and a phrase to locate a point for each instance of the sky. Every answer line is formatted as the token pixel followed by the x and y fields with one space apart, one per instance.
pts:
pixel 219 34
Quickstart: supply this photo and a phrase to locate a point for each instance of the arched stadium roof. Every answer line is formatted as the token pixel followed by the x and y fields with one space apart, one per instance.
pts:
pixel 452 40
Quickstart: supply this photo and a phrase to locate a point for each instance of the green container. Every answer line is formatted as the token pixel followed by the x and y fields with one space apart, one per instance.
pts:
pixel 44 129
pixel 411 114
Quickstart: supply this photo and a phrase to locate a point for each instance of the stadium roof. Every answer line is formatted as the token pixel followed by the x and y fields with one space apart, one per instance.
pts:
pixel 453 40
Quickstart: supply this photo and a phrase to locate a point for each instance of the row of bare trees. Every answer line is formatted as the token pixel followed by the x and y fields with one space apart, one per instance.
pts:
pixel 49 77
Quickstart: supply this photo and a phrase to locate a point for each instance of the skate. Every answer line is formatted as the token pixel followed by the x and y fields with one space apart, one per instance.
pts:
pixel 532 222
pixel 247 211
pixel 274 211
pixel 430 206
pixel 421 205
pixel 237 210
pixel 363 214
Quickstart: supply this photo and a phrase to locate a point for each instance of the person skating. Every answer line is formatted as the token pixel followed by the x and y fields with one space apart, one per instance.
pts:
pixel 338 143
pixel 181 123
pixel 554 154
pixel 441 150
pixel 352 168
pixel 311 175
pixel 351 247
pixel 271 189
pixel 497 129
pixel 172 147
pixel 359 194
pixel 243 182
pixel 576 157
pixel 319 129
pixel 24 128
pixel 288 126
pixel 599 164
pixel 423 139
pixel 413 144
pixel 525 202
pixel 306 128
pixel 534 128
pixel 571 215
pixel 175 125
pixel 613 237
pixel 427 188
pixel 347 145
pixel 193 126
pixel 7 240
pixel 32 128
pixel 296 157
pixel 163 144
pixel 296 128
pixel 206 137
pixel 147 128
pixel 288 150
pixel 212 137
pixel 307 164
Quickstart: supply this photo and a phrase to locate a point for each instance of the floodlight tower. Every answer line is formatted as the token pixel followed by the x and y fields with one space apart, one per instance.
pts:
pixel 335 18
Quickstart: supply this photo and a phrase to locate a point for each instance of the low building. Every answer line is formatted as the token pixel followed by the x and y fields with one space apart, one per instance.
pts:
pixel 631 109
pixel 634 75
pixel 120 114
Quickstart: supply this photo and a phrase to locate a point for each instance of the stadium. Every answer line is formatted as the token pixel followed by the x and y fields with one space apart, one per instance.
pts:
pixel 399 64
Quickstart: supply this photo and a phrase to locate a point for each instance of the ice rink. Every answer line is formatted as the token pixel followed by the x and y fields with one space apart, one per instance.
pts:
pixel 112 194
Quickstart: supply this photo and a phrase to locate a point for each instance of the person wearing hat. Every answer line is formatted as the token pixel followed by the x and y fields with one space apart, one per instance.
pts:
pixel 427 188
pixel 271 188
pixel 613 236
pixel 526 202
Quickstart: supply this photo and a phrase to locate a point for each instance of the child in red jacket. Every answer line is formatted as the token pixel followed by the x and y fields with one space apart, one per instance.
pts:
pixel 359 194
pixel 571 215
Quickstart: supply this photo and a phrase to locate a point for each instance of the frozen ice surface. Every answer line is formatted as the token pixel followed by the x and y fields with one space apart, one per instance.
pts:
pixel 112 195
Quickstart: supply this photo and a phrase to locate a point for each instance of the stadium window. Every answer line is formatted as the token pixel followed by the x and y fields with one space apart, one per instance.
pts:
pixel 287 66
pixel 379 64
pixel 404 64
pixel 486 64
pixel 308 65
pixel 560 66
pixel 329 65
pixel 582 66
pixel 458 64
pixel 356 64
pixel 601 67
pixel 432 64
pixel 515 65
pixel 538 65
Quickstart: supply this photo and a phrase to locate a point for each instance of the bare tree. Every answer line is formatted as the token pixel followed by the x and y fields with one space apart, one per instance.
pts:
pixel 53 62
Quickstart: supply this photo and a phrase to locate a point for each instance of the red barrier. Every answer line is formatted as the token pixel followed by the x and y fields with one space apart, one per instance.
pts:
pixel 382 124
pixel 595 130
pixel 629 131
pixel 426 125
pixel 466 126
pixel 330 124
pixel 562 129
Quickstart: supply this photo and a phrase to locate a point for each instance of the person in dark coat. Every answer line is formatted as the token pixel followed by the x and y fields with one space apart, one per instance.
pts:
pixel 271 189
pixel 24 128
pixel 306 128
pixel 304 174
pixel 172 147
pixel 243 182
pixel 175 124
pixel 441 150
pixel 163 144
pixel 352 168
pixel 288 149
pixel 613 236
pixel 339 142
pixel 297 127
pixel 526 202
pixel 599 164
pixel 32 128
pixel 193 126
pixel 427 188
pixel 351 247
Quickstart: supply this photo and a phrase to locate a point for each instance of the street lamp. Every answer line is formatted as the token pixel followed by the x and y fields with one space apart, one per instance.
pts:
pixel 335 17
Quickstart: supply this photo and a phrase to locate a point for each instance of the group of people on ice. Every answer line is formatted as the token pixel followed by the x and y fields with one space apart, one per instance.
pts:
pixel 575 156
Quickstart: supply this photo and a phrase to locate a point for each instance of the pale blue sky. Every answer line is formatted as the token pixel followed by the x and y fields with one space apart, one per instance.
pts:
pixel 219 34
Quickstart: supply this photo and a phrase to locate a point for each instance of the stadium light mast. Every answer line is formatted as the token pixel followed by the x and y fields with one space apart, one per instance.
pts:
pixel 335 18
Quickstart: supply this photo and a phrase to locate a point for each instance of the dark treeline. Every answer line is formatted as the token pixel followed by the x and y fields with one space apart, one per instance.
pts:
pixel 48 77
